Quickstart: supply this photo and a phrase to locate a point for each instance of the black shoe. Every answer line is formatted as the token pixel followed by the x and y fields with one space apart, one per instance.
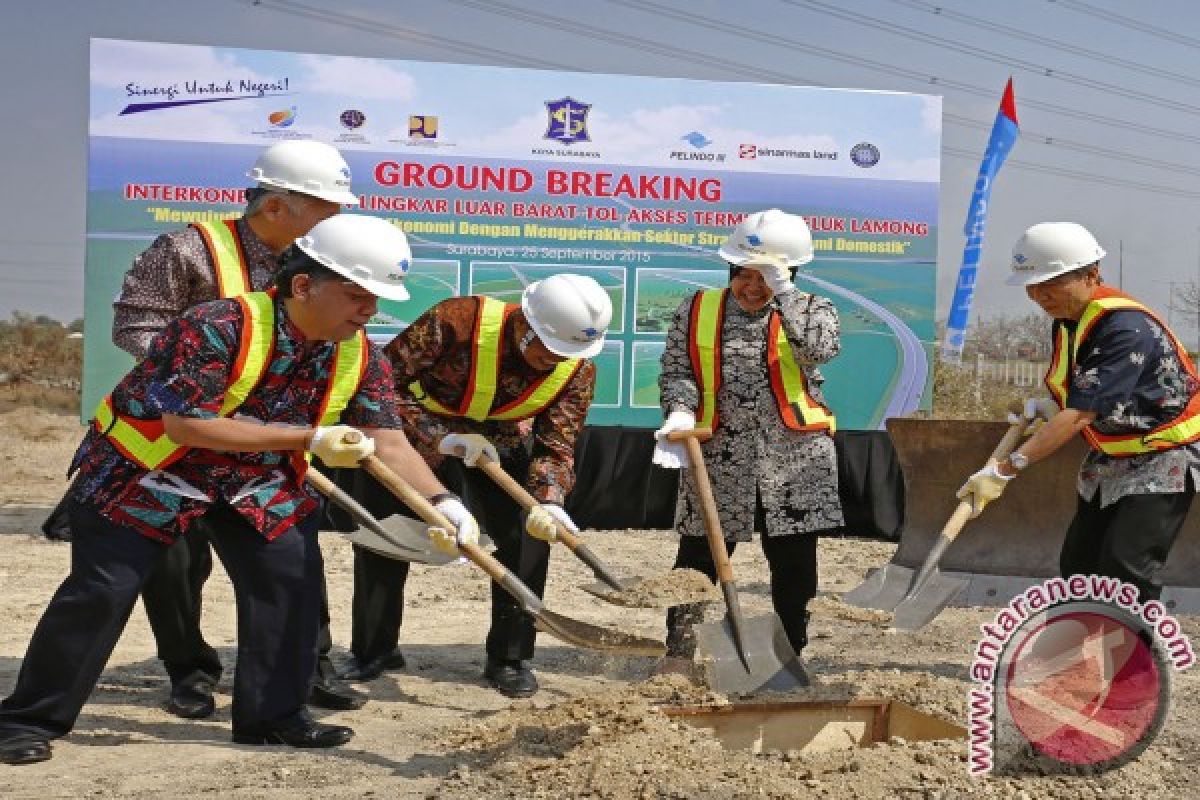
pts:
pixel 18 748
pixel 511 678
pixel 361 673
pixel 191 700
pixel 304 734
pixel 336 695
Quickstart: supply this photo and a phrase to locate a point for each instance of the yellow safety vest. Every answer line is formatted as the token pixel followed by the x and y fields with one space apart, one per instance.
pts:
pixel 228 257
pixel 1180 431
pixel 797 407
pixel 145 442
pixel 480 393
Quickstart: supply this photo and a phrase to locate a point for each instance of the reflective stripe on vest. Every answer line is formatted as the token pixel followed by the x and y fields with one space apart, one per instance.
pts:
pixel 798 410
pixel 486 344
pixel 146 443
pixel 1182 430
pixel 228 258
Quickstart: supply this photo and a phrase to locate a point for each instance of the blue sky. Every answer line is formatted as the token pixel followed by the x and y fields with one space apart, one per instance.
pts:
pixel 1125 141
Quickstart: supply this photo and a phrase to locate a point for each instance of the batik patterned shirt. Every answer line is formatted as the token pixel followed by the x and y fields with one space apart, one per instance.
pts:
pixel 436 348
pixel 174 274
pixel 752 452
pixel 185 374
pixel 1128 373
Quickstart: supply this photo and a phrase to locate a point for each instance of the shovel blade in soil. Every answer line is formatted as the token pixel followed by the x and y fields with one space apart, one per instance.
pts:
pixel 927 601
pixel 594 637
pixel 774 665
pixel 884 589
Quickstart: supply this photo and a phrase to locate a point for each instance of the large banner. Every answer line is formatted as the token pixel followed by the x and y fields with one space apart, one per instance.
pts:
pixel 503 176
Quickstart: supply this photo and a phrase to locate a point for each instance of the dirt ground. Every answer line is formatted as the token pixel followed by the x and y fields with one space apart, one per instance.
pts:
pixel 436 731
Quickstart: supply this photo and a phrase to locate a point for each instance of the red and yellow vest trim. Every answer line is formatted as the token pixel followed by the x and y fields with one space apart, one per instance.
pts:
pixel 228 256
pixel 145 442
pixel 1182 430
pixel 480 394
pixel 797 408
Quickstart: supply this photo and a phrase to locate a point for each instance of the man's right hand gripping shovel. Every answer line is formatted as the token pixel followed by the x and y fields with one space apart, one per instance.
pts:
pixel 569 630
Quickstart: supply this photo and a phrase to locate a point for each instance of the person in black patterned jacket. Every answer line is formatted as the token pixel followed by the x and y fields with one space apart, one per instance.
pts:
pixel 743 361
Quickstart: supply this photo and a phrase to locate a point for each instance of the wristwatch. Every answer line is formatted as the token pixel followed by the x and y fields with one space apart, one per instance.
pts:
pixel 1019 461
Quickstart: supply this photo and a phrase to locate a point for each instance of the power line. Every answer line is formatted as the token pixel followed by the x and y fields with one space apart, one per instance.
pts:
pixel 739 31
pixel 1129 22
pixel 995 58
pixel 368 25
pixel 1047 169
pixel 558 23
pixel 1107 58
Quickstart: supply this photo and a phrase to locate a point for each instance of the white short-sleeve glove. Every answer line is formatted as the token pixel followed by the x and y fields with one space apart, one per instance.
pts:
pixel 543 520
pixel 466 528
pixel 673 455
pixel 777 277
pixel 331 445
pixel 467 446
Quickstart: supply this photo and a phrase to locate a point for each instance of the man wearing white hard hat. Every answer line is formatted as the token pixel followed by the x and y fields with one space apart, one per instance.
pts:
pixel 479 376
pixel 214 424
pixel 297 184
pixel 1120 378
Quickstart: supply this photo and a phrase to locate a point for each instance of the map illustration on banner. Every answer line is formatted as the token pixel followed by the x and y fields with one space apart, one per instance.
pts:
pixel 501 177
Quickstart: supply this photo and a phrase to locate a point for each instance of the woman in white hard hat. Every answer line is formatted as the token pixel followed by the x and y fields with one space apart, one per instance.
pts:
pixel 742 361
pixel 1124 381
pixel 479 376
pixel 213 425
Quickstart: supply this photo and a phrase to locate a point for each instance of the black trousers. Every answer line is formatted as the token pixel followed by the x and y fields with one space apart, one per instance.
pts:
pixel 1129 540
pixel 277 606
pixel 793 564
pixel 173 598
pixel 378 604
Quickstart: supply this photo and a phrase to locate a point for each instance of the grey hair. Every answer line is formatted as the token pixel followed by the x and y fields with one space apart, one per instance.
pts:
pixel 256 198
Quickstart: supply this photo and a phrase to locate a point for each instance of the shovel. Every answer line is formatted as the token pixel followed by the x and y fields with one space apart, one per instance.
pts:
pixel 398 538
pixel 571 631
pixel 740 655
pixel 917 598
pixel 611 587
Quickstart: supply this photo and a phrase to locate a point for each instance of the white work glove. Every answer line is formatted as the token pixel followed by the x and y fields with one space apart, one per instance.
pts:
pixel 329 443
pixel 543 520
pixel 982 488
pixel 466 528
pixel 777 277
pixel 673 455
pixel 467 446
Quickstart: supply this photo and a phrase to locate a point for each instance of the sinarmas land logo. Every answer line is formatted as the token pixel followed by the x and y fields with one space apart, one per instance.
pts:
pixel 1073 676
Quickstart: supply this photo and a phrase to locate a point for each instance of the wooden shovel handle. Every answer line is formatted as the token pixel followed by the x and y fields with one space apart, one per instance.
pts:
pixel 962 514
pixel 518 493
pixel 708 504
pixel 425 510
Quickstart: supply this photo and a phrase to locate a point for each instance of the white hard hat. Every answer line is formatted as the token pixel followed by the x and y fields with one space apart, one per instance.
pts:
pixel 769 237
pixel 1050 249
pixel 369 251
pixel 569 313
pixel 307 167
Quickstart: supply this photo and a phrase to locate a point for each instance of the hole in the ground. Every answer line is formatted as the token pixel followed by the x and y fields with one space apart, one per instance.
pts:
pixel 811 727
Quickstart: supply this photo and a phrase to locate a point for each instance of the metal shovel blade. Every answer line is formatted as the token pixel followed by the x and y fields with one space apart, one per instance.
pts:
pixel 773 664
pixel 594 637
pixel 936 593
pixel 638 593
pixel 404 539
pixel 883 589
